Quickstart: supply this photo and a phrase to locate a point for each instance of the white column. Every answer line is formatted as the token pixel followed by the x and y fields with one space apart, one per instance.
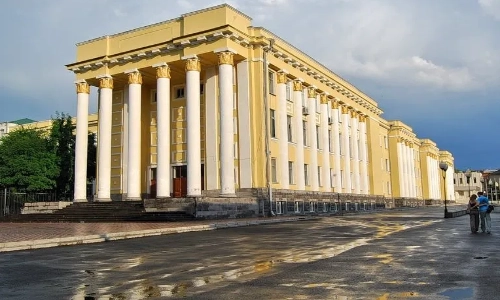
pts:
pixel 326 146
pixel 336 145
pixel 104 139
pixel 406 169
pixel 125 145
pixel 345 145
pixel 244 130
pixel 363 155
pixel 211 129
pixel 355 152
pixel 193 68
pixel 163 177
pixel 134 136
pixel 81 143
pixel 299 151
pixel 226 124
pixel 283 131
pixel 311 102
pixel 402 186
pixel 413 180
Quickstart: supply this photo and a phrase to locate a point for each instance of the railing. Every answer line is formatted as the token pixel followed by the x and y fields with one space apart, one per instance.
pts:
pixel 11 203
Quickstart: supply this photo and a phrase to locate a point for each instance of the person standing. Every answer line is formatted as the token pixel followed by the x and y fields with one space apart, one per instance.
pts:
pixel 473 208
pixel 483 213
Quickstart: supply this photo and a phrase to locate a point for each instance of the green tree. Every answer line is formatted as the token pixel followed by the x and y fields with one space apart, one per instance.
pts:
pixel 62 142
pixel 91 157
pixel 27 162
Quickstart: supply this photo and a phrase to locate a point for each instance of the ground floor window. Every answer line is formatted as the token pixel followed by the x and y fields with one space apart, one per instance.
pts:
pixel 311 206
pixel 325 206
pixel 297 206
pixel 280 207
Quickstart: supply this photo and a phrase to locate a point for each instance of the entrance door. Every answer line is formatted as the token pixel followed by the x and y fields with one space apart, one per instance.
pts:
pixel 152 184
pixel 180 181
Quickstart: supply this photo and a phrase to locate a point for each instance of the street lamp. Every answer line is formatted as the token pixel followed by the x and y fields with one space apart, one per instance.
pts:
pixel 468 174
pixel 444 167
pixel 482 183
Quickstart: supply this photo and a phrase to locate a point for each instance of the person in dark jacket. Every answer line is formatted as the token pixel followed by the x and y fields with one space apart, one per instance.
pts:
pixel 473 208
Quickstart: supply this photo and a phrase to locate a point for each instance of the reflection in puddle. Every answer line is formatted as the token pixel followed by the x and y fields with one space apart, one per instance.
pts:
pixel 459 294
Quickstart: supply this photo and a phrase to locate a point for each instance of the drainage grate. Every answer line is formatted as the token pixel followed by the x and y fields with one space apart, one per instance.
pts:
pixel 480 257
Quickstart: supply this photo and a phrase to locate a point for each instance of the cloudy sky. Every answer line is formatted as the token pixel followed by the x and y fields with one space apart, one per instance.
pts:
pixel 433 64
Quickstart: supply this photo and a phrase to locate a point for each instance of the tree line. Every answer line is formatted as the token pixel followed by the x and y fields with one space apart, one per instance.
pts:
pixel 41 160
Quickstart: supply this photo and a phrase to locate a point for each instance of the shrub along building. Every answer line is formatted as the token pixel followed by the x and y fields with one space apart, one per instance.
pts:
pixel 207 106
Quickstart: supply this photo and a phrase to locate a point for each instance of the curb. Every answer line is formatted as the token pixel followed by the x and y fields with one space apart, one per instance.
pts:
pixel 98 238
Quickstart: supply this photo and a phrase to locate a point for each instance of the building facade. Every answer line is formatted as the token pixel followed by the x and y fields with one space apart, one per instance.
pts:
pixel 464 187
pixel 208 104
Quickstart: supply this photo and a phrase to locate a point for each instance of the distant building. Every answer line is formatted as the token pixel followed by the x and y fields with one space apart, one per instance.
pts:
pixel 462 186
pixel 6 127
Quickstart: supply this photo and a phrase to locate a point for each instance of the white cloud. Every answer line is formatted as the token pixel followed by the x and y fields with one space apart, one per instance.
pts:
pixel 491 7
pixel 407 44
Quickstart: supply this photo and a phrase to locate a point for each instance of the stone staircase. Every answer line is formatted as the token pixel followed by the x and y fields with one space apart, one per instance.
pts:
pixel 103 212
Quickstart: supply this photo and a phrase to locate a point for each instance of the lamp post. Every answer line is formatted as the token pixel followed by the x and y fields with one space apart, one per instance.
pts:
pixel 444 167
pixel 467 175
pixel 482 183
pixel 490 193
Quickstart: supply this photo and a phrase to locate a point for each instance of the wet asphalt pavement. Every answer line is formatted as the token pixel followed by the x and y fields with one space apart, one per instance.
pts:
pixel 412 254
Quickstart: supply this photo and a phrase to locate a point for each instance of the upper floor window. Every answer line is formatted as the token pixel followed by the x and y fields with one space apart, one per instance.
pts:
pixel 288 91
pixel 271 82
pixel 179 93
pixel 273 123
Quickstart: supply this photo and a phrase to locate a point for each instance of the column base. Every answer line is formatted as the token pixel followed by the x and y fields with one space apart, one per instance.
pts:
pixel 133 199
pixel 227 195
pixel 102 200
pixel 80 200
pixel 194 196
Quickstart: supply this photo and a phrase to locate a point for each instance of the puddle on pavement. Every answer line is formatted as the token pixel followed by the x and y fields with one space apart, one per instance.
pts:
pixel 458 294
pixel 480 257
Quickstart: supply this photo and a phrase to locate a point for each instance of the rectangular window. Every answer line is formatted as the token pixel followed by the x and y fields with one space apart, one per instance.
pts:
pixel 475 180
pixel 306 174
pixel 289 126
pixel 320 183
pixel 311 206
pixel 291 173
pixel 330 147
pixel 274 171
pixel 297 206
pixel 461 181
pixel 342 179
pixel 340 144
pixel 387 166
pixel 153 96
pixel 386 142
pixel 332 176
pixel 179 93
pixel 288 91
pixel 273 123
pixel 271 83
pixel 318 141
pixel 304 132
pixel 304 98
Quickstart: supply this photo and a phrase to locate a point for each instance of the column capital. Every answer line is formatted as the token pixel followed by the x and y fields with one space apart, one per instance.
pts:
pixel 225 58
pixel 297 85
pixel 345 109
pixel 311 92
pixel 193 64
pixel 105 82
pixel 134 77
pixel 362 118
pixel 335 104
pixel 354 114
pixel 399 140
pixel 82 87
pixel 323 98
pixel 162 71
pixel 281 77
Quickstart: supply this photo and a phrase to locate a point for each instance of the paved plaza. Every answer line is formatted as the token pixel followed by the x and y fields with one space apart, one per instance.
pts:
pixel 410 254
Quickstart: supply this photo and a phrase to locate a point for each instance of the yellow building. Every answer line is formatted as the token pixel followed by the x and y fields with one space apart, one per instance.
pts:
pixel 190 107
